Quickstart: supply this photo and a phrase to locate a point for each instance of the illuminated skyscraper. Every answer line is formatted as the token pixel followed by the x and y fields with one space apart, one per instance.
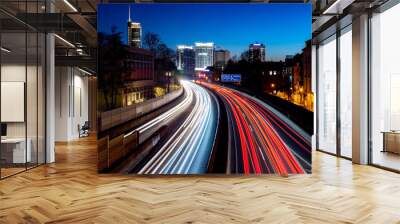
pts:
pixel 257 52
pixel 204 55
pixel 134 33
pixel 185 60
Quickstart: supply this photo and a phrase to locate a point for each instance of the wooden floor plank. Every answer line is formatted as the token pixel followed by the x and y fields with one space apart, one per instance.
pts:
pixel 71 191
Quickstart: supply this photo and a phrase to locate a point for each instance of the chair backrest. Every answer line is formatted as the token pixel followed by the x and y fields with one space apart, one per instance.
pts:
pixel 86 124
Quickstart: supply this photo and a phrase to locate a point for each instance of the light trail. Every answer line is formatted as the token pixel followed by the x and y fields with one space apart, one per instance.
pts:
pixel 267 142
pixel 147 129
pixel 188 150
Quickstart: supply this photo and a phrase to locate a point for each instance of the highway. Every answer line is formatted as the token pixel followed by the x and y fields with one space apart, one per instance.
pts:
pixel 257 139
pixel 148 128
pixel 188 149
pixel 261 140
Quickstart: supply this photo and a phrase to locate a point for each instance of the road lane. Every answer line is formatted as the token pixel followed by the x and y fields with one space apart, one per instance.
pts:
pixel 263 140
pixel 189 148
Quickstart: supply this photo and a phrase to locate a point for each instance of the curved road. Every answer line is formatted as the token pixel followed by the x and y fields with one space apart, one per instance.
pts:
pixel 262 140
pixel 189 148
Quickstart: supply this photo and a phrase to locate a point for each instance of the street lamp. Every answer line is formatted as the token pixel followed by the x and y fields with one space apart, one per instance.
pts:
pixel 168 75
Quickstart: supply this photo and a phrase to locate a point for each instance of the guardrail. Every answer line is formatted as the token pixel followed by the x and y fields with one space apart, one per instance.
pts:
pixel 298 114
pixel 112 118
pixel 110 151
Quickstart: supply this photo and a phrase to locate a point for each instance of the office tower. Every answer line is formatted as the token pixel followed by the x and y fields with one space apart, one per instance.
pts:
pixel 134 33
pixel 257 52
pixel 204 55
pixel 221 58
pixel 185 60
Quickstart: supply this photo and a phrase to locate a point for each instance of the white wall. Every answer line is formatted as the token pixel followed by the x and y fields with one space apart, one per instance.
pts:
pixel 9 73
pixel 71 102
pixel 16 73
pixel 33 126
pixel 80 112
pixel 62 82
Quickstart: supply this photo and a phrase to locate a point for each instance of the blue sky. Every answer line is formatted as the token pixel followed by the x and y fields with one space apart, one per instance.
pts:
pixel 283 28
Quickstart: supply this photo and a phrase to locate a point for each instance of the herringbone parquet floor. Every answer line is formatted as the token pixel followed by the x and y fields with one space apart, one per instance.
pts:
pixel 71 191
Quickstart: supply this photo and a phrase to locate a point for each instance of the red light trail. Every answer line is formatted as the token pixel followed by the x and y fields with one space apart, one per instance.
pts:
pixel 268 144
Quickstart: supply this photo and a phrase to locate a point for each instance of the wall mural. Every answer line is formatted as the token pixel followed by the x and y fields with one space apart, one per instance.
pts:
pixel 204 88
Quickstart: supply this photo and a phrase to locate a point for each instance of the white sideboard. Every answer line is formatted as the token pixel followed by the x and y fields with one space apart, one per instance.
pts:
pixel 17 145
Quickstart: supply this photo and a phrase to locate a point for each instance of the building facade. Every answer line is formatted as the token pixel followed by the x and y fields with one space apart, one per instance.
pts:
pixel 306 62
pixel 221 58
pixel 204 55
pixel 185 60
pixel 256 52
pixel 139 78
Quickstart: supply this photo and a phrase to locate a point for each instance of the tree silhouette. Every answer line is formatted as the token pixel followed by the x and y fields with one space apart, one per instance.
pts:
pixel 245 55
pixel 164 56
pixel 151 41
pixel 112 53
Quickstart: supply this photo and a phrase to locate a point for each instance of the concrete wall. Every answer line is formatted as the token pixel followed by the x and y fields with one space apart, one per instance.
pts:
pixel 118 116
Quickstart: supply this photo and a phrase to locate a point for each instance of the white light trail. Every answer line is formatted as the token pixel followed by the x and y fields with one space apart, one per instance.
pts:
pixel 70 5
pixel 189 148
pixel 5 50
